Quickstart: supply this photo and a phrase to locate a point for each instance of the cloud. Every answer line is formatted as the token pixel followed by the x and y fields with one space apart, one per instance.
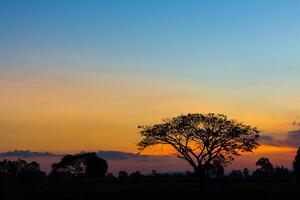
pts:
pixel 270 140
pixel 291 139
pixel 118 155
pixel 296 123
pixel 109 155
pixel 21 154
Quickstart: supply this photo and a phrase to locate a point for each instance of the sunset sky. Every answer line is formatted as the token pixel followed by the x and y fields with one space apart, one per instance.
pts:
pixel 82 75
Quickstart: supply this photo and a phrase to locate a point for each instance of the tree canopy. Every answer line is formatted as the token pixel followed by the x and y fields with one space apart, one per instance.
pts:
pixel 87 165
pixel 201 139
pixel 296 166
pixel 265 169
pixel 20 170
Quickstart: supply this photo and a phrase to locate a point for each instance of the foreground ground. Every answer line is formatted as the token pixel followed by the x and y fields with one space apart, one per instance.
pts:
pixel 151 189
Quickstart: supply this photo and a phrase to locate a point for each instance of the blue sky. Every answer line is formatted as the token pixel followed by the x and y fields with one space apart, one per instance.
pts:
pixel 182 36
pixel 213 43
pixel 238 51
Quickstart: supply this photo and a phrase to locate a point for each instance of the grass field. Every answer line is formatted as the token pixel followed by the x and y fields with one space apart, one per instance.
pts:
pixel 152 189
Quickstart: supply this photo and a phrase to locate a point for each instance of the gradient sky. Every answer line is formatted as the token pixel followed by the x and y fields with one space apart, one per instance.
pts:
pixel 82 75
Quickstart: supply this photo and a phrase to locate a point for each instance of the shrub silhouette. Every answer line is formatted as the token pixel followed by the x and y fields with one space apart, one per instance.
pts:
pixel 235 174
pixel 136 174
pixel 246 172
pixel 123 174
pixel 281 173
pixel 110 176
pixel 86 165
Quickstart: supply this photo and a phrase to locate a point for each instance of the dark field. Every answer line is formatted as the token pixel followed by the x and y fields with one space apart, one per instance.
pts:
pixel 152 189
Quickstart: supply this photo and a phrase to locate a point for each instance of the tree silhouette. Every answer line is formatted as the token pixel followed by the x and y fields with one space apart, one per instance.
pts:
pixel 110 176
pixel 235 174
pixel 20 170
pixel 136 174
pixel 123 174
pixel 265 165
pixel 265 169
pixel 201 139
pixel 296 166
pixel 154 173
pixel 281 173
pixel 87 165
pixel 246 172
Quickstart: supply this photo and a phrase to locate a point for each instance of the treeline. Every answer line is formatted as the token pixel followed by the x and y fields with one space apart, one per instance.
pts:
pixel 88 166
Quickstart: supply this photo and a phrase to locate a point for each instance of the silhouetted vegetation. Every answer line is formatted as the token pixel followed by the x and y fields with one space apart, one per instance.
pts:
pixel 20 171
pixel 296 166
pixel 265 169
pixel 206 142
pixel 93 182
pixel 203 140
pixel 86 165
pixel 89 166
pixel 123 174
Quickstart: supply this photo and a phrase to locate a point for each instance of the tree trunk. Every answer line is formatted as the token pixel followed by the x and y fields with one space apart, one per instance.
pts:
pixel 200 172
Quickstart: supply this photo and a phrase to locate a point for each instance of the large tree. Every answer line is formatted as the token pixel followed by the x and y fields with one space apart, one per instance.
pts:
pixel 202 140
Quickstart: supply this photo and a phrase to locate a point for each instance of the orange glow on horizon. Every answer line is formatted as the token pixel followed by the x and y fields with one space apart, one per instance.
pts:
pixel 263 149
pixel 274 149
pixel 88 115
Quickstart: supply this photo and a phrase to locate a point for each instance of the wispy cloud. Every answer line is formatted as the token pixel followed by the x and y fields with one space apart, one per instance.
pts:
pixel 108 155
pixel 118 155
pixel 291 139
pixel 296 123
pixel 26 153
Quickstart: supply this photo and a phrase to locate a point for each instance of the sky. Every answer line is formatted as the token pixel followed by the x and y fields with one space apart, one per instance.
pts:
pixel 82 75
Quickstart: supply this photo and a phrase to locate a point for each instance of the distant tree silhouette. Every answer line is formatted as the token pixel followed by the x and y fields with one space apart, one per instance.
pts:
pixel 265 169
pixel 281 173
pixel 86 165
pixel 296 166
pixel 235 174
pixel 246 172
pixel 123 174
pixel 265 165
pixel 110 176
pixel 154 172
pixel 201 139
pixel 189 173
pixel 136 174
pixel 20 170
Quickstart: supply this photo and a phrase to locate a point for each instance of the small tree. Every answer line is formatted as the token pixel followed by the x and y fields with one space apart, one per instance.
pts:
pixel 86 165
pixel 235 174
pixel 246 172
pixel 296 166
pixel 136 174
pixel 265 165
pixel 123 174
pixel 20 170
pixel 281 173
pixel 201 139
pixel 265 169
